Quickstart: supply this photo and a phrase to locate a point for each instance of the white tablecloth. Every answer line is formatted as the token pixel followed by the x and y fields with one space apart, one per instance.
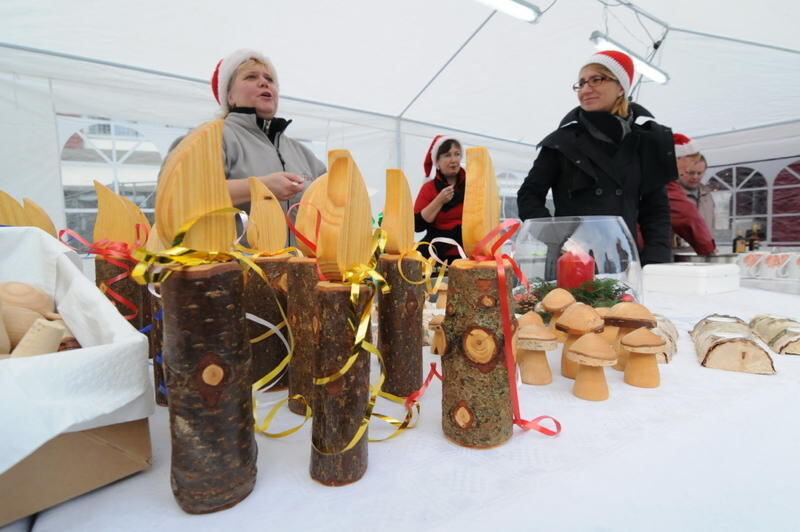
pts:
pixel 708 450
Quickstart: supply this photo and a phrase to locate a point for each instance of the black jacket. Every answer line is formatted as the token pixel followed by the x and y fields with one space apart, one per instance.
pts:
pixel 592 177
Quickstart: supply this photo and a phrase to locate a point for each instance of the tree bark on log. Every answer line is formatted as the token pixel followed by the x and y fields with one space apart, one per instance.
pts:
pixel 303 313
pixel 476 402
pixel 127 288
pixel 209 373
pixel 340 405
pixel 400 325
pixel 155 339
pixel 781 334
pixel 725 342
pixel 262 299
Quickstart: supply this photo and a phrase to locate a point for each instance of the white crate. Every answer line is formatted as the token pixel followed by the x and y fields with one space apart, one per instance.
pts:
pixel 691 278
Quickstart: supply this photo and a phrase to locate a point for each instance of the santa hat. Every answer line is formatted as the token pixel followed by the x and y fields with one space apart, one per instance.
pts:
pixel 226 68
pixel 620 64
pixel 684 146
pixel 430 156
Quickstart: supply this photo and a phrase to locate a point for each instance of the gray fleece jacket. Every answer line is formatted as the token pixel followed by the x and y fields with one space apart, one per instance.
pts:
pixel 250 153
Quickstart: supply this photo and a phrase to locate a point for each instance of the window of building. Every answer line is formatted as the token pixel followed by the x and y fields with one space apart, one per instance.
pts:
pixel 113 153
pixel 741 198
pixel 786 205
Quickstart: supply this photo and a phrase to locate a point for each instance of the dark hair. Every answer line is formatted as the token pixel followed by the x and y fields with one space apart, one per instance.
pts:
pixel 445 147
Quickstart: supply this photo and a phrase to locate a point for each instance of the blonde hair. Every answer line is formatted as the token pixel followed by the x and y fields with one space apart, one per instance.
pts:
pixel 247 63
pixel 620 107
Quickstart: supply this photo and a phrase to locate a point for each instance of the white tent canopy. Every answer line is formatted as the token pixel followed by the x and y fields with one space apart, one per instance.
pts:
pixel 381 78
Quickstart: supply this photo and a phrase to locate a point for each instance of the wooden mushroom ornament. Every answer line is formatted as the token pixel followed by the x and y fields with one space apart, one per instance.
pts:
pixel 529 318
pixel 533 342
pixel 628 316
pixel 439 341
pixel 577 320
pixel 556 301
pixel 591 353
pixel 642 346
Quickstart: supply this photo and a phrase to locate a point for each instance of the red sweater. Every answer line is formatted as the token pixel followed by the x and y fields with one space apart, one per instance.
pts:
pixel 687 221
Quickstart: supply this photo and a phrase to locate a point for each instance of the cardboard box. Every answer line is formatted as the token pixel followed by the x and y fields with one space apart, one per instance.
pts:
pixel 78 419
pixel 73 464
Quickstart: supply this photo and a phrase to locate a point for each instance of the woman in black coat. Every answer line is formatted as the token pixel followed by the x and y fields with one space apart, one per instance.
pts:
pixel 603 161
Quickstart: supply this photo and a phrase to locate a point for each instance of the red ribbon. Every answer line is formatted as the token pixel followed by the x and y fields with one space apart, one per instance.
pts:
pixel 411 399
pixel 300 236
pixel 116 253
pixel 507 229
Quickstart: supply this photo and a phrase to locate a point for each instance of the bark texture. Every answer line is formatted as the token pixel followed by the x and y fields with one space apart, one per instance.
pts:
pixel 155 338
pixel 209 373
pixel 303 312
pixel 781 334
pixel 262 299
pixel 339 406
pixel 127 288
pixel 400 325
pixel 476 402
pixel 725 342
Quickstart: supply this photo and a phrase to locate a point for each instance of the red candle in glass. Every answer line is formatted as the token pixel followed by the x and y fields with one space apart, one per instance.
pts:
pixel 574 268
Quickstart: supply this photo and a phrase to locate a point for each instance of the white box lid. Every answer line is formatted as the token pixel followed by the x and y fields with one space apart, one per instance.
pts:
pixel 691 270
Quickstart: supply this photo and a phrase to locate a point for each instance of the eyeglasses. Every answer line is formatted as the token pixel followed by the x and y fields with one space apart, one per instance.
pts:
pixel 593 82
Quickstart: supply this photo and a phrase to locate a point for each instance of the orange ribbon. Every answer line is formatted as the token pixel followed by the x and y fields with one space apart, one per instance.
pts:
pixel 505 230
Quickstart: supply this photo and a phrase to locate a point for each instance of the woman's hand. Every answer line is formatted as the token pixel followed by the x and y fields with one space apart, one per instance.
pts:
pixel 283 184
pixel 445 195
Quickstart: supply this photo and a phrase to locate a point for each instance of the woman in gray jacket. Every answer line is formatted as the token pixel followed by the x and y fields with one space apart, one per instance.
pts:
pixel 245 84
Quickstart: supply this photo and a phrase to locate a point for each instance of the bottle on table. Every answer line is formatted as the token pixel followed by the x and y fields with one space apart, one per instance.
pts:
pixel 754 241
pixel 739 243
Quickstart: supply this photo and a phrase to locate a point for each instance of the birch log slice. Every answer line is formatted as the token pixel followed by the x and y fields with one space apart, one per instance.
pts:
pixel 304 315
pixel 481 202
pixel 346 228
pixel 340 405
pixel 265 300
pixel 37 217
pixel 725 342
pixel 781 334
pixel 400 325
pixel 309 212
pixel 666 330
pixel 476 403
pixel 208 374
pixel 191 184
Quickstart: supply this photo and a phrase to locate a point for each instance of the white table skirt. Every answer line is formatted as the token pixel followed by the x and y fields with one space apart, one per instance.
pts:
pixel 708 450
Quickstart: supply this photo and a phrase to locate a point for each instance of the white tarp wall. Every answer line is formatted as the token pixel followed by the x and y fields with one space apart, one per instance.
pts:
pixel 500 78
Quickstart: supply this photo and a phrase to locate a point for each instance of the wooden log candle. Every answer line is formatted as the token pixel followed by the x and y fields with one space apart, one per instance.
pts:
pixel 304 319
pixel 400 311
pixel 208 373
pixel 400 325
pixel 155 339
pixel 262 299
pixel 339 405
pixel 476 403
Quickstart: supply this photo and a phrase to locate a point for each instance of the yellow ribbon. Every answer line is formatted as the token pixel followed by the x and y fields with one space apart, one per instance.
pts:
pixel 155 267
pixel 356 276
pixel 428 265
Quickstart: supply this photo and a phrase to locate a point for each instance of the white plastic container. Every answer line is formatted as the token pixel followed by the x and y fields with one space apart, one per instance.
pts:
pixel 691 278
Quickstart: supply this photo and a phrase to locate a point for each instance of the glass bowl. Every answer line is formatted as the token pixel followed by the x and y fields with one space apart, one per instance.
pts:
pixel 572 249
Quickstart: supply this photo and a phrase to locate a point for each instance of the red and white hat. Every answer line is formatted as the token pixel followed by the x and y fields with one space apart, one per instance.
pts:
pixel 225 69
pixel 619 63
pixel 684 146
pixel 430 156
